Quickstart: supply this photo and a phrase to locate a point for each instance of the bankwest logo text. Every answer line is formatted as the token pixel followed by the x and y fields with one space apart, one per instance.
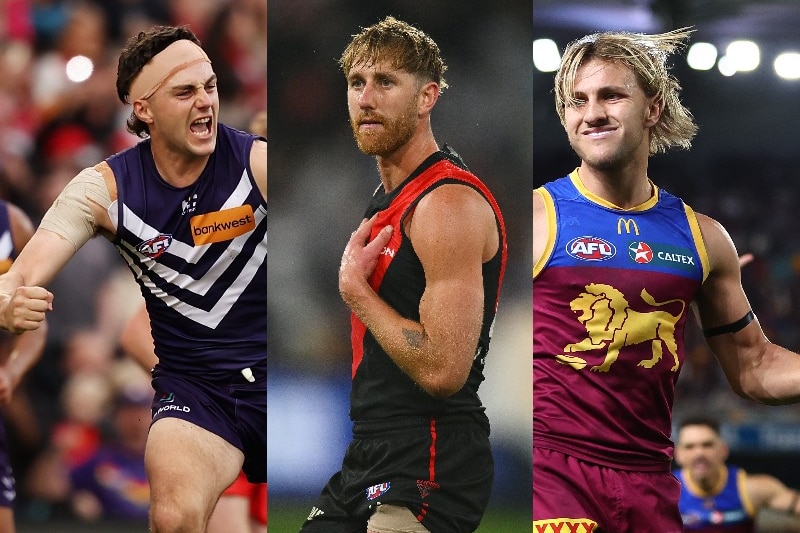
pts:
pixel 222 225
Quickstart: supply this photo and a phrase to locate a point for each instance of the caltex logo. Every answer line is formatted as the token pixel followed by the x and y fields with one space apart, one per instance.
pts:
pixel 640 252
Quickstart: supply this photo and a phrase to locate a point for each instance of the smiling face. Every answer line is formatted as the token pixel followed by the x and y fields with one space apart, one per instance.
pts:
pixel 702 452
pixel 183 113
pixel 384 107
pixel 607 122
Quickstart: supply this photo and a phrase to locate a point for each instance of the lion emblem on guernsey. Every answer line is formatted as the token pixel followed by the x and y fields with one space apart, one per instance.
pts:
pixel 611 324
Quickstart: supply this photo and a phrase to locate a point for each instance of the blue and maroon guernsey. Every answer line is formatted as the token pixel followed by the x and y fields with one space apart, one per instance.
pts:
pixel 610 299
pixel 380 388
pixel 199 256
pixel 726 509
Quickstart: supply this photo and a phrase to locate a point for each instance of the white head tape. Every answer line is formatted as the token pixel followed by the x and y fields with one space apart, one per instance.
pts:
pixel 165 64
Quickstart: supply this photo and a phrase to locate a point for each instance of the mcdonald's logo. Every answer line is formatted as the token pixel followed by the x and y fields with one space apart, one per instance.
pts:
pixel 628 223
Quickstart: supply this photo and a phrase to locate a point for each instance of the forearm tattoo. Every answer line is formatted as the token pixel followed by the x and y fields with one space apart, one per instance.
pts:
pixel 413 338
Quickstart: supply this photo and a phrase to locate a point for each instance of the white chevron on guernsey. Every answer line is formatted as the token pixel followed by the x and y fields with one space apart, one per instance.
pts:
pixel 192 255
pixel 6 245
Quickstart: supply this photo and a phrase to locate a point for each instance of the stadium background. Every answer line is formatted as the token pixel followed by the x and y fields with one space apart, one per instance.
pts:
pixel 740 170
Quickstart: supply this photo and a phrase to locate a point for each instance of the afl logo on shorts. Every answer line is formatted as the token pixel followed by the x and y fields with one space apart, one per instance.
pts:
pixel 156 246
pixel 590 249
pixel 376 491
pixel 640 252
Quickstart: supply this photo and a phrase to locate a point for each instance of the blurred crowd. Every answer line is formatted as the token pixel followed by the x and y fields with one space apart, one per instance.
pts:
pixel 760 215
pixel 77 424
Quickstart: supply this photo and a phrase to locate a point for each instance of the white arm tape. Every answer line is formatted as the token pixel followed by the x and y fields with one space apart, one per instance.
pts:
pixel 70 216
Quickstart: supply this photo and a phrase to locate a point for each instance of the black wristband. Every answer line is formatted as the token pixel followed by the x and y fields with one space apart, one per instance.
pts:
pixel 730 328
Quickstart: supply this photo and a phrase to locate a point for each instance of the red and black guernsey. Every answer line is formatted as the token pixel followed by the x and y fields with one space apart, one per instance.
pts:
pixel 380 388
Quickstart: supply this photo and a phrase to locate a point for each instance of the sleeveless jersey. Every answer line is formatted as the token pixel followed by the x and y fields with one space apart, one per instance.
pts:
pixel 380 388
pixel 199 256
pixel 724 510
pixel 7 250
pixel 8 253
pixel 610 299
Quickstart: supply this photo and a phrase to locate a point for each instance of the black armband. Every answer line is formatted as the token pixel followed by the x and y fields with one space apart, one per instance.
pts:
pixel 730 328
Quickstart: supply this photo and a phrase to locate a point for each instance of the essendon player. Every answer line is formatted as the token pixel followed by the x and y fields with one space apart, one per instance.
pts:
pixel 422 276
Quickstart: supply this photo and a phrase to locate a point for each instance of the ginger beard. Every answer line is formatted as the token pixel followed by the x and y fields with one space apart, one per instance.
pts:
pixel 394 133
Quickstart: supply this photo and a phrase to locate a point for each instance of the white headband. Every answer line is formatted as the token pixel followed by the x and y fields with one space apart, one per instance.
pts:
pixel 165 64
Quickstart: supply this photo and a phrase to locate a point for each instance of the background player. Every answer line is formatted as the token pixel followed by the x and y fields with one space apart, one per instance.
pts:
pixel 17 353
pixel 718 496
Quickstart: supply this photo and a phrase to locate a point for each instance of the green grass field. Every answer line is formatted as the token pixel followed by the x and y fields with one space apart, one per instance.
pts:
pixel 285 518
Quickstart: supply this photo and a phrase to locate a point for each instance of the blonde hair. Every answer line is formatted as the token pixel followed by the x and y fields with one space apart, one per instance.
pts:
pixel 646 56
pixel 402 45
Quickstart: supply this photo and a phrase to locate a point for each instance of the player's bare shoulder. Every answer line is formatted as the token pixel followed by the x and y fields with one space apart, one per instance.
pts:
pixel 22 227
pixel 540 226
pixel 258 164
pixel 458 214
pixel 722 255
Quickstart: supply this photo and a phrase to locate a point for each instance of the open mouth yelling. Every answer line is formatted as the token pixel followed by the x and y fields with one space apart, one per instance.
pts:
pixel 201 127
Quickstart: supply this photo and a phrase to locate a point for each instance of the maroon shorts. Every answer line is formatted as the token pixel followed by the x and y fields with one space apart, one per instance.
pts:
pixel 580 497
pixel 236 410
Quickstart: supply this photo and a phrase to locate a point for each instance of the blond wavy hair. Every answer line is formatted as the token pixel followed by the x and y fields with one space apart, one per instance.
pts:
pixel 646 55
pixel 402 45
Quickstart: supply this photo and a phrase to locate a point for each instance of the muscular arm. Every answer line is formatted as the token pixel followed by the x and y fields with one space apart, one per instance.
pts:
pixel 755 367
pixel 453 231
pixel 769 492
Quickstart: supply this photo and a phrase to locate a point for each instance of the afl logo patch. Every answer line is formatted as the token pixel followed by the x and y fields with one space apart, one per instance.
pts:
pixel 156 246
pixel 591 249
pixel 640 252
pixel 376 491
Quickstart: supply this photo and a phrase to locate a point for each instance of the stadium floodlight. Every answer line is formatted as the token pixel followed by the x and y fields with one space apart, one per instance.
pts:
pixel 787 65
pixel 546 57
pixel 79 68
pixel 726 66
pixel 702 56
pixel 743 55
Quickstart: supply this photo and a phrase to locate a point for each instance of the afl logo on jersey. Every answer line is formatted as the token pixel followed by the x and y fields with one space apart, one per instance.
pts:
pixel 640 252
pixel 156 246
pixel 590 249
